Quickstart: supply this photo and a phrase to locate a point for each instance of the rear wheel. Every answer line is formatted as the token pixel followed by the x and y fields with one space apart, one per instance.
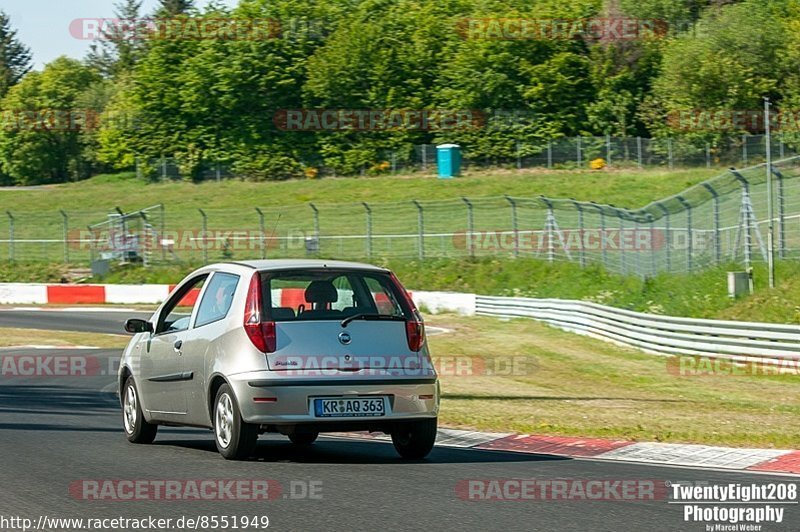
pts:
pixel 137 429
pixel 235 439
pixel 303 438
pixel 414 440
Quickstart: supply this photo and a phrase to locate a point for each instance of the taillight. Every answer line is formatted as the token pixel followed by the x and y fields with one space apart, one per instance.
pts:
pixel 415 327
pixel 261 333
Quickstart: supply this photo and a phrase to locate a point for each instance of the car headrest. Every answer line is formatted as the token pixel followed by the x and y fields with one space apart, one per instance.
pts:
pixel 282 313
pixel 321 292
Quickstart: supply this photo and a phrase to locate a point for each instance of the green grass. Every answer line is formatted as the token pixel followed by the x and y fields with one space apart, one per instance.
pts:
pixel 576 386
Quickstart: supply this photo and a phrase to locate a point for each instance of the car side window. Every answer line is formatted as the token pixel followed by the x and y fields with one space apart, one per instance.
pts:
pixel 217 299
pixel 176 313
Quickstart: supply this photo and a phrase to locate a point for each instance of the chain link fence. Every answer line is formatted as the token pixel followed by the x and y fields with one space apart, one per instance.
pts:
pixel 719 221
pixel 575 152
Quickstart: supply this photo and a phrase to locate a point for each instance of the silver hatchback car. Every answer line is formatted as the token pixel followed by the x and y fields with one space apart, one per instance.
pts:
pixel 296 347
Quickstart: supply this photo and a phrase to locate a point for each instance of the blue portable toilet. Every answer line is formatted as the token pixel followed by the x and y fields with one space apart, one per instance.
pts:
pixel 448 160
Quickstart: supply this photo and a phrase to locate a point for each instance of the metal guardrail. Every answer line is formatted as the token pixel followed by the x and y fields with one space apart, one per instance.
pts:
pixel 735 340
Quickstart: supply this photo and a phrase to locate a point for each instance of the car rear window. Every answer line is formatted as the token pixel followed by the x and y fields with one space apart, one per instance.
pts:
pixel 330 294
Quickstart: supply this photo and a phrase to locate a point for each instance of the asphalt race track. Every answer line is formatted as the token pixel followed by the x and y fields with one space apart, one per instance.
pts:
pixel 58 431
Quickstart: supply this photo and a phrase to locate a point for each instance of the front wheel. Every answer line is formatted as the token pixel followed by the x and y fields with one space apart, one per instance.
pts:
pixel 414 440
pixel 137 429
pixel 235 439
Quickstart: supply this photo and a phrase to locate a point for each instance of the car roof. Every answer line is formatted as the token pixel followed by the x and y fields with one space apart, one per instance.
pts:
pixel 284 264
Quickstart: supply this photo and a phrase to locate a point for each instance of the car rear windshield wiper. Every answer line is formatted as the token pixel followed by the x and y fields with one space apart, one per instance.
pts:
pixel 371 316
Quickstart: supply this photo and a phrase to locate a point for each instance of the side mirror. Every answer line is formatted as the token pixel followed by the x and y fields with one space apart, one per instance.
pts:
pixel 135 325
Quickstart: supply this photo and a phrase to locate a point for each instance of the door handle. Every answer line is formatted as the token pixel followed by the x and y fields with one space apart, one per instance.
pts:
pixel 177 345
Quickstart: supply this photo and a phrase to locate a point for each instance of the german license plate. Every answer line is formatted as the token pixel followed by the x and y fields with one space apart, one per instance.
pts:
pixel 350 407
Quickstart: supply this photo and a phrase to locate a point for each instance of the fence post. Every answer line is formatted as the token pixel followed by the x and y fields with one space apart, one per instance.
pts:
pixel 163 168
pixel 708 155
pixel 652 221
pixel 689 232
pixel 549 153
pixel 549 228
pixel 263 233
pixel 10 236
pixel 424 156
pixel 639 151
pixel 470 227
pixel 519 156
pixel 162 215
pixel 581 251
pixel 205 235
pixel 603 250
pixel 781 213
pixel 670 160
pixel 717 243
pixel 369 229
pixel 394 162
pixel 781 148
pixel 744 149
pixel 608 149
pixel 580 155
pixel 316 226
pixel 667 236
pixel 623 259
pixel 421 228
pixel 514 225
pixel 65 223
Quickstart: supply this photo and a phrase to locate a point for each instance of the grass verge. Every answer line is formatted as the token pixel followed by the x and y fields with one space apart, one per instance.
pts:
pixel 583 387
pixel 10 337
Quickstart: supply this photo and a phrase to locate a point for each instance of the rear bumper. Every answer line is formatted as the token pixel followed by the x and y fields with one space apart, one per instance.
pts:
pixel 409 398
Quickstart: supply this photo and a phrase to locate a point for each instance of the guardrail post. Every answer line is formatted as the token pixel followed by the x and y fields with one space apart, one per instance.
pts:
pixel 514 224
pixel 421 229
pixel 781 212
pixel 262 228
pixel 369 228
pixel 689 232
pixel 10 236
pixel 581 236
pixel 205 235
pixel 65 233
pixel 667 236
pixel 717 236
pixel 470 227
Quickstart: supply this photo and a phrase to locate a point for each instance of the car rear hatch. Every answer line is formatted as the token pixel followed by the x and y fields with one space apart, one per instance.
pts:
pixel 339 321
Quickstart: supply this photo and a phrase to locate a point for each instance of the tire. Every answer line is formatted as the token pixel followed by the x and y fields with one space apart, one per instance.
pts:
pixel 304 438
pixel 137 429
pixel 414 440
pixel 235 439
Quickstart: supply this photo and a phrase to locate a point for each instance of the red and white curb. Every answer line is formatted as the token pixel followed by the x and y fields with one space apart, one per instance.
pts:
pixel 129 294
pixel 672 454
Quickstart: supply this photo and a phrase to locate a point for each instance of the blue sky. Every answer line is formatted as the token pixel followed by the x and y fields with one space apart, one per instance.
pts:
pixel 43 25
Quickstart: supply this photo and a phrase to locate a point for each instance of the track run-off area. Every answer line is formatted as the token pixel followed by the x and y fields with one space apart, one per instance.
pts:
pixel 65 456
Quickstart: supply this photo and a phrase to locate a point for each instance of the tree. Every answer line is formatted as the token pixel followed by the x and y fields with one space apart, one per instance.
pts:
pixel 41 142
pixel 171 8
pixel 120 47
pixel 15 57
